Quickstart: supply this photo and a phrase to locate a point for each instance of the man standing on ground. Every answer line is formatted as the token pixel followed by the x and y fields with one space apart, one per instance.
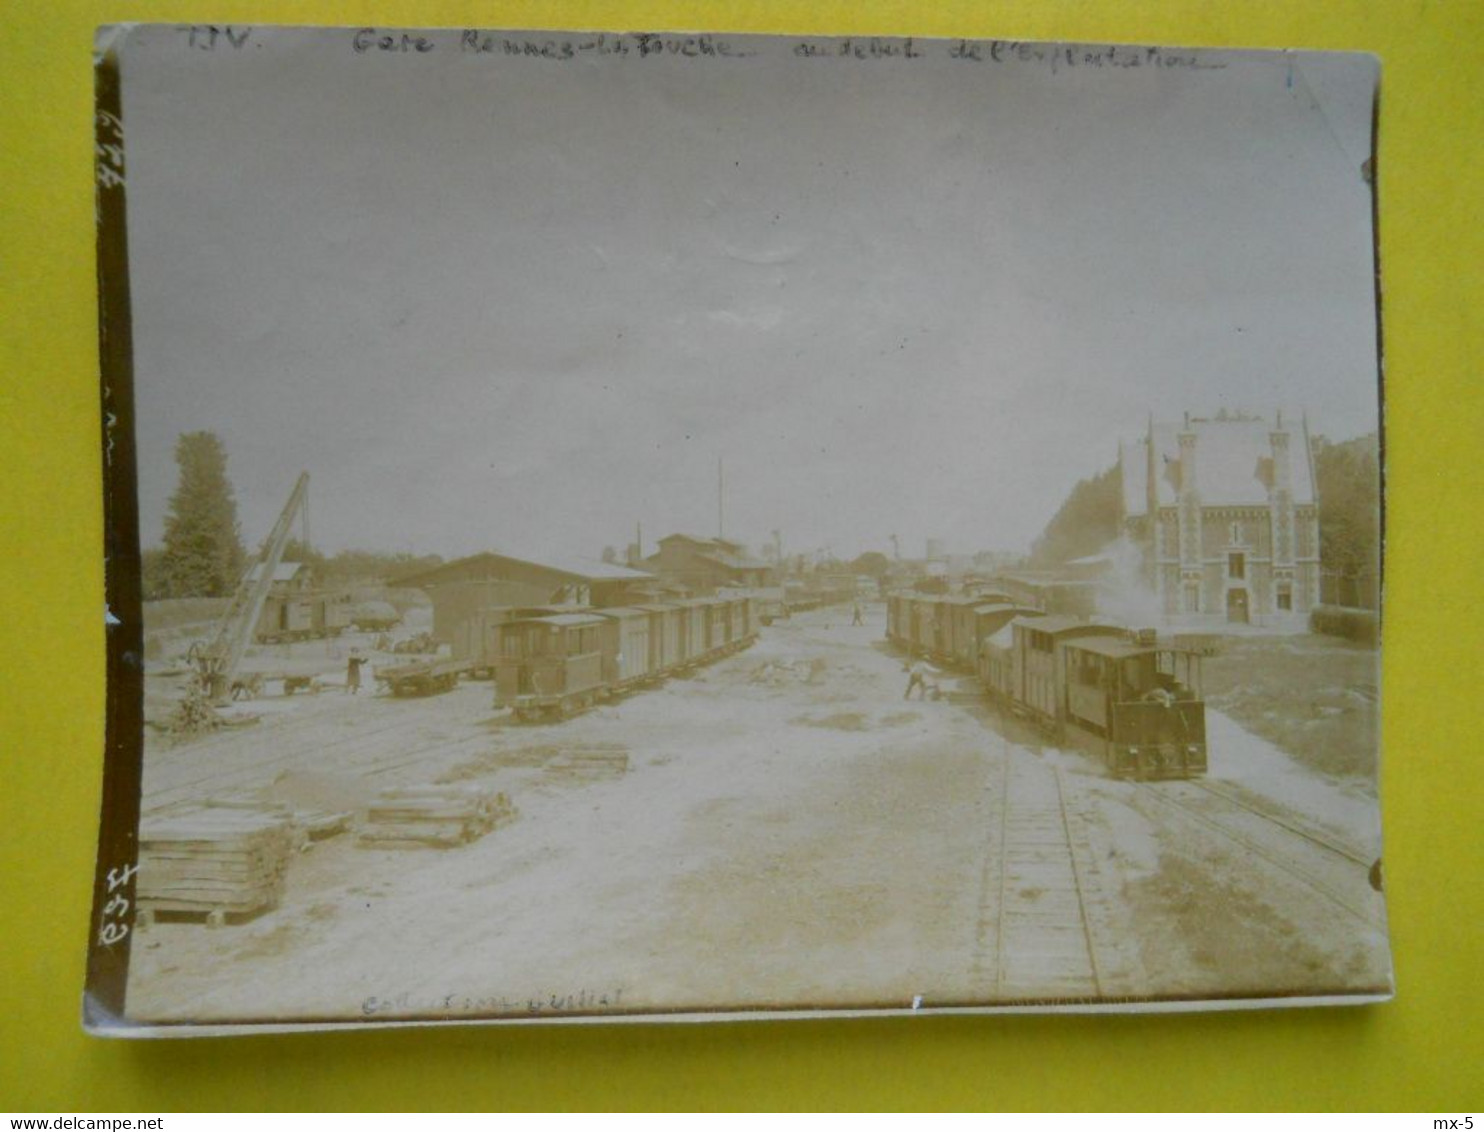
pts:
pixel 353 673
pixel 917 678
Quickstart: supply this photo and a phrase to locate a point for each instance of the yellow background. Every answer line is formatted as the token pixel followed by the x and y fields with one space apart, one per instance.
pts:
pixel 1420 1052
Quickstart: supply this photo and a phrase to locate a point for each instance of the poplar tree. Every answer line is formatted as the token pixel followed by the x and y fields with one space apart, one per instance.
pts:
pixel 203 553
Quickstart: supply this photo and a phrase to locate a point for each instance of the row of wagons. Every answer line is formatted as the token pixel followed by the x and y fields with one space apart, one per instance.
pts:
pixel 550 662
pixel 1123 695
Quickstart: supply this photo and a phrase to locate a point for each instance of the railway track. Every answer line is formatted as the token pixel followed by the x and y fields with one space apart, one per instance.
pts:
pixel 1045 930
pixel 240 761
pixel 1287 844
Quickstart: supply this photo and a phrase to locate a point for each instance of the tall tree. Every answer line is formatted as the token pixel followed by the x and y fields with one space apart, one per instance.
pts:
pixel 203 544
pixel 1349 475
pixel 1085 523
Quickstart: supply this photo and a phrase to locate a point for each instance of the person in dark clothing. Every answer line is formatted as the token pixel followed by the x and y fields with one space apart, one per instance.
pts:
pixel 857 619
pixel 353 673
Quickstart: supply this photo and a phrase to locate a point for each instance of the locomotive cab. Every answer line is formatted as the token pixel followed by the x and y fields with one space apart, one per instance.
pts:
pixel 552 665
pixel 1141 702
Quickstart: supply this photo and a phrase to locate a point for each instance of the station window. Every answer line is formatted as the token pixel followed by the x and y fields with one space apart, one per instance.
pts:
pixel 1285 596
pixel 1236 565
pixel 1192 597
pixel 1237 536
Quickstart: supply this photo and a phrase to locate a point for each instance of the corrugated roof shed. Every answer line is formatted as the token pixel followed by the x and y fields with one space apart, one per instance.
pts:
pixel 581 569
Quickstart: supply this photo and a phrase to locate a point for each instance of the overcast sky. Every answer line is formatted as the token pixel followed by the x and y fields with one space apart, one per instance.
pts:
pixel 519 303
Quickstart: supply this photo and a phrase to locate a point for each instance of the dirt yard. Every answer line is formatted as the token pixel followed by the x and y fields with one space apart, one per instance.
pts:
pixel 788 832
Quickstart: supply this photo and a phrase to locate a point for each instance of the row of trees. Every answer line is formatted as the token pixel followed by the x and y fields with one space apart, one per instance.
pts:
pixel 1087 521
pixel 202 554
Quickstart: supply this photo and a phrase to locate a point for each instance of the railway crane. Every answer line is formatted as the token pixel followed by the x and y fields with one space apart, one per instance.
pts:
pixel 216 661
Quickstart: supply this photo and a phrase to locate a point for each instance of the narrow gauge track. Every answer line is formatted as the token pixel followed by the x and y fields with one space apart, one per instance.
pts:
pixel 1289 822
pixel 1044 917
pixel 1319 862
pixel 195 771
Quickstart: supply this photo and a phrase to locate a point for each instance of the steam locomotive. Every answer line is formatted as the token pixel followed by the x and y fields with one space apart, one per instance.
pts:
pixel 1121 695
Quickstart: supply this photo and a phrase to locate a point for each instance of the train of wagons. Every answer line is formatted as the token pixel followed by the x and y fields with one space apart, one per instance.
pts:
pixel 1122 695
pixel 550 662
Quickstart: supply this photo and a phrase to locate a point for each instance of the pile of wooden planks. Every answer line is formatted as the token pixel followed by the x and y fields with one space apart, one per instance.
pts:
pixel 214 861
pixel 596 760
pixel 432 815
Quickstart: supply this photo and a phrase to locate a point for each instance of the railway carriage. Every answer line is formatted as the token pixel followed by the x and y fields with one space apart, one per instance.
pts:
pixel 666 632
pixel 996 664
pixel 714 617
pixel 694 644
pixel 955 629
pixel 898 606
pixel 984 622
pixel 742 622
pixel 626 653
pixel 1040 664
pixel 922 630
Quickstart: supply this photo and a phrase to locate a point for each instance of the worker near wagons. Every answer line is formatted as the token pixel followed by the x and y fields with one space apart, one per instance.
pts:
pixel 917 678
pixel 856 618
pixel 353 673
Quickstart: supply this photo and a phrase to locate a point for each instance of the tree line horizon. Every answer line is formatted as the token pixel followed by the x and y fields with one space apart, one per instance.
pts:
pixel 203 555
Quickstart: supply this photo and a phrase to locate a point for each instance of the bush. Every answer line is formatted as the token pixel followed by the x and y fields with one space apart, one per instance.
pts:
pixel 1360 625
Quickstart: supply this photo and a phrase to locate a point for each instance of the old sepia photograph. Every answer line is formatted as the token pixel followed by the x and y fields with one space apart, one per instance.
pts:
pixel 611 525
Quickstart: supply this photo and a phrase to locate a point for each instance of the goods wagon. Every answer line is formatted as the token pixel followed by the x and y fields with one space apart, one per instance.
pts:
pixel 551 664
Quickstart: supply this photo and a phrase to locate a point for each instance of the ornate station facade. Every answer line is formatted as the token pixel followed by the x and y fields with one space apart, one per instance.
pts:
pixel 1226 512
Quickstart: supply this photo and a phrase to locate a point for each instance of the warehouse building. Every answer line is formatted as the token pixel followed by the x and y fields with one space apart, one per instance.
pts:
pixel 703 566
pixel 466 586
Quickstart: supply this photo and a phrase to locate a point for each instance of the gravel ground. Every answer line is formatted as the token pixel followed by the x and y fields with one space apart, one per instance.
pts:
pixel 788 833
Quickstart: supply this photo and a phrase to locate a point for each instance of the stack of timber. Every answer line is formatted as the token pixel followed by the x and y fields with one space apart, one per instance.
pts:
pixel 596 760
pixel 432 815
pixel 214 861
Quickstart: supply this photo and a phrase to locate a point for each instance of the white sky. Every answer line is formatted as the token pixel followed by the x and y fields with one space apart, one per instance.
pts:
pixel 493 302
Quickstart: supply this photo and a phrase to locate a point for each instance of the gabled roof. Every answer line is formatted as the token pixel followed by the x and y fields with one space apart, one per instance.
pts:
pixel 1068 627
pixel 1233 464
pixel 622 611
pixel 572 567
pixel 735 561
pixel 1007 607
pixel 283 572
pixel 721 549
pixel 566 620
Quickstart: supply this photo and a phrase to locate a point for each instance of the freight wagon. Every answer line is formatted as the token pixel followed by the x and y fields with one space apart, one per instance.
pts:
pixel 552 664
pixel 302 616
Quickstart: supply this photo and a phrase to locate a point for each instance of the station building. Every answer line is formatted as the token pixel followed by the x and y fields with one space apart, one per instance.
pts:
pixel 1225 512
